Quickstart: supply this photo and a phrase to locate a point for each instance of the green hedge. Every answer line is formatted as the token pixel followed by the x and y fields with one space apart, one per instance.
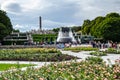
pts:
pixel 98 53
pixel 44 37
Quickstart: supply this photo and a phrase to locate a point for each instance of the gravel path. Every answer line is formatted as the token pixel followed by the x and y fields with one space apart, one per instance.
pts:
pixel 85 54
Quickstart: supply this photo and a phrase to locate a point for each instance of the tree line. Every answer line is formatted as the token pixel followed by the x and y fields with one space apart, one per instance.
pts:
pixel 107 28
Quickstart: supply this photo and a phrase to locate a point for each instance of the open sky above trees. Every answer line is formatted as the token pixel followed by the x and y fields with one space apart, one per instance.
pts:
pixel 55 13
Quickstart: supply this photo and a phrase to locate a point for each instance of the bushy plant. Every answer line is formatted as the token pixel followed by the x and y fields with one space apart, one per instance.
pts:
pixel 95 60
pixel 98 53
pixel 113 51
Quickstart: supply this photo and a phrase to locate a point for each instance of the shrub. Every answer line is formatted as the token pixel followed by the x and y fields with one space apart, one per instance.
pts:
pixel 95 60
pixel 113 50
pixel 98 53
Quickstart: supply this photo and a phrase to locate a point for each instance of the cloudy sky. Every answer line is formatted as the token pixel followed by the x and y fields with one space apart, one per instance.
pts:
pixel 24 14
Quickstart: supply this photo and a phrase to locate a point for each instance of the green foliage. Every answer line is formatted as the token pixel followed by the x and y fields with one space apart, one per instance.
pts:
pixel 110 29
pixel 94 60
pixel 86 26
pixel 113 14
pixel 34 54
pixel 113 51
pixel 3 31
pixel 90 69
pixel 98 53
pixel 76 28
pixel 107 27
pixel 44 37
pixel 95 28
pixel 5 24
pixel 56 30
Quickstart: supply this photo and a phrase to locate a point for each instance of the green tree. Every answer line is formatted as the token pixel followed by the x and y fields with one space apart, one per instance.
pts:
pixel 5 25
pixel 56 30
pixel 76 28
pixel 86 26
pixel 95 27
pixel 113 14
pixel 3 31
pixel 107 27
pixel 110 29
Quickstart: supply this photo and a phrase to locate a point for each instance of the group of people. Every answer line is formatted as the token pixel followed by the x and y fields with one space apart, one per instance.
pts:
pixel 94 44
pixel 108 44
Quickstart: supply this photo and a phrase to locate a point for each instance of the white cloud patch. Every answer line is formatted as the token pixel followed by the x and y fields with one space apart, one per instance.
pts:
pixel 89 9
pixel 53 24
pixel 35 5
pixel 55 13
pixel 25 27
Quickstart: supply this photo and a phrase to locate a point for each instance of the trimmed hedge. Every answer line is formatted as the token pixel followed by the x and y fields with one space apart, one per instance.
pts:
pixel 44 37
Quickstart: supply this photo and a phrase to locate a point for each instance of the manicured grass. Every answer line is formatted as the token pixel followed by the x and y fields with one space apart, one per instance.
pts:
pixel 4 67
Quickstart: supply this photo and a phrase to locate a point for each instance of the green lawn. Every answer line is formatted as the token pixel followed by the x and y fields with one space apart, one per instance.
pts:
pixel 4 67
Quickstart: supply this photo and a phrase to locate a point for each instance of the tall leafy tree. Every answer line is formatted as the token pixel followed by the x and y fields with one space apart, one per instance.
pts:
pixel 3 31
pixel 110 29
pixel 86 26
pixel 95 27
pixel 5 25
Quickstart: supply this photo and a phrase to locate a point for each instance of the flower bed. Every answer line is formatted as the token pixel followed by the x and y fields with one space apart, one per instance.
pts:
pixel 78 49
pixel 90 69
pixel 34 54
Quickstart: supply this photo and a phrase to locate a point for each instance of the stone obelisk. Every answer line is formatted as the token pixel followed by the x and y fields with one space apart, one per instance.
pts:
pixel 40 23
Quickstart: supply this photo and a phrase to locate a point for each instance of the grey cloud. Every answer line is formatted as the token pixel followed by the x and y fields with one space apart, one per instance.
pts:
pixel 12 7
